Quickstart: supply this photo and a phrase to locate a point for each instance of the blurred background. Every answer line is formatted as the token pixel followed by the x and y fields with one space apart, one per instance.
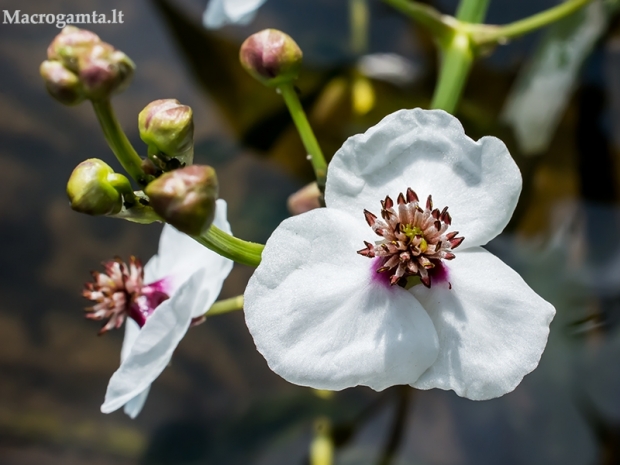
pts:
pixel 553 97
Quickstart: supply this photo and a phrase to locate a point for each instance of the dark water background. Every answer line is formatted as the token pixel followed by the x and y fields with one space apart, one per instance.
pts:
pixel 218 402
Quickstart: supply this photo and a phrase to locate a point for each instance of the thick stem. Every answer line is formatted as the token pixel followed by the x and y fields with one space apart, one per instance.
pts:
pixel 238 250
pixel 485 34
pixel 454 70
pixel 118 142
pixel 427 17
pixel 305 132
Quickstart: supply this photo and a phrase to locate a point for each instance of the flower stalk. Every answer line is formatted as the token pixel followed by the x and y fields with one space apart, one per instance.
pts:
pixel 228 246
pixel 118 142
pixel 315 154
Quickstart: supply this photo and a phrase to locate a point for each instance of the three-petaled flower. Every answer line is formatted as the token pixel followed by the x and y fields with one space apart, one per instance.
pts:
pixel 185 278
pixel 422 303
pixel 222 12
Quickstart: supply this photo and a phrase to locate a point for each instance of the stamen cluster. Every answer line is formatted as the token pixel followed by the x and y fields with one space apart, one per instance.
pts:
pixel 415 239
pixel 120 292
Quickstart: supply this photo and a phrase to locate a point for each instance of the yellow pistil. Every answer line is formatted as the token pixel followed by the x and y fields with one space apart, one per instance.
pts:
pixel 415 231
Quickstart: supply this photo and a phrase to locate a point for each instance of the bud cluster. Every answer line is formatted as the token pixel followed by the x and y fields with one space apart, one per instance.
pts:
pixel 80 66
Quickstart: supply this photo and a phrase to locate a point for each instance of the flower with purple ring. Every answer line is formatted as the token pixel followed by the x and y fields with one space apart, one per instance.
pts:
pixel 185 279
pixel 425 305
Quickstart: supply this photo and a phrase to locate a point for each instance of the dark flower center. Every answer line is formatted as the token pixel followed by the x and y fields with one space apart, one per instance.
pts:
pixel 414 239
pixel 119 292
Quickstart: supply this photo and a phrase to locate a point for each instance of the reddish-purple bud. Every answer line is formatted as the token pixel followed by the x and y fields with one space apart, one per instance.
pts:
pixel 62 83
pixel 185 198
pixel 100 69
pixel 271 56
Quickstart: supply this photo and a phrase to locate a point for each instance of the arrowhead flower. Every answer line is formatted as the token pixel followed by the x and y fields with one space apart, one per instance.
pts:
pixel 222 12
pixel 184 280
pixel 347 297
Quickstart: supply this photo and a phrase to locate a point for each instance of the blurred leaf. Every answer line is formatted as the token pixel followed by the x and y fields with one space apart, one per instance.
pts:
pixel 542 90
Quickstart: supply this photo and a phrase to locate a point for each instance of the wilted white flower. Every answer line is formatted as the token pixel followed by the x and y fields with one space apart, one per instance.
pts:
pixel 345 298
pixel 185 279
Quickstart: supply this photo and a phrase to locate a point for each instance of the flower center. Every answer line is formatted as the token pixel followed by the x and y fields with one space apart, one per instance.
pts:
pixel 119 292
pixel 415 239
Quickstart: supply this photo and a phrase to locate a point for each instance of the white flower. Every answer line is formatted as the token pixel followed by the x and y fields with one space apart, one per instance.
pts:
pixel 192 276
pixel 325 315
pixel 222 12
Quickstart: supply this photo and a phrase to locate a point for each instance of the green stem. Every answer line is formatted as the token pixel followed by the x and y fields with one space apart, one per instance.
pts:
pixel 315 154
pixel 453 73
pixel 238 250
pixel 472 11
pixel 486 34
pixel 122 185
pixel 118 142
pixel 225 306
pixel 358 19
pixel 436 23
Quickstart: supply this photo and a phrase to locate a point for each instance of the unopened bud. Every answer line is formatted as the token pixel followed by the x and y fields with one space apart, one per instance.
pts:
pixel 185 198
pixel 167 127
pixel 271 56
pixel 100 68
pixel 305 199
pixel 61 83
pixel 90 190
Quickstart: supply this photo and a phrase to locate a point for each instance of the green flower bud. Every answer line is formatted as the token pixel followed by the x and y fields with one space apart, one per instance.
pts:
pixel 271 56
pixel 167 127
pixel 185 198
pixel 100 68
pixel 90 190
pixel 61 83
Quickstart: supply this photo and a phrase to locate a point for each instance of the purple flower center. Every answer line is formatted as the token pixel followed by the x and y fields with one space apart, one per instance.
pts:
pixel 415 241
pixel 119 292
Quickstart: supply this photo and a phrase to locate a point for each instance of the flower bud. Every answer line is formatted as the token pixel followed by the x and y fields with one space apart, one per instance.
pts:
pixel 61 83
pixel 305 199
pixel 167 127
pixel 271 56
pixel 100 68
pixel 185 198
pixel 90 190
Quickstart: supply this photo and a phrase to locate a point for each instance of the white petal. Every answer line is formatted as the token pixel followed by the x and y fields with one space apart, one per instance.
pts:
pixel 492 327
pixel 222 12
pixel 320 318
pixel 428 151
pixel 153 346
pixel 133 407
pixel 180 256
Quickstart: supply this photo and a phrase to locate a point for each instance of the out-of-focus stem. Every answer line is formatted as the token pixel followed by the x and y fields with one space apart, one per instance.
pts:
pixel 487 34
pixel 454 70
pixel 359 16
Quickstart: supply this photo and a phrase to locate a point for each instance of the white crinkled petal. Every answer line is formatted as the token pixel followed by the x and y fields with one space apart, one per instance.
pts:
pixel 153 346
pixel 180 256
pixel 492 327
pixel 222 12
pixel 321 320
pixel 428 151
